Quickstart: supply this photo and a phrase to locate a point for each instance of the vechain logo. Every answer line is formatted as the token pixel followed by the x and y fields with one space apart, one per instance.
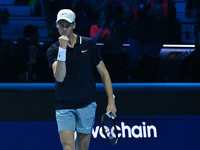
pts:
pixel 126 131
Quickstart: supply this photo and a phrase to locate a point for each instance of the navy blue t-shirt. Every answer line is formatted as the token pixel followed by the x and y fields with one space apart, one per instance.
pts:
pixel 78 88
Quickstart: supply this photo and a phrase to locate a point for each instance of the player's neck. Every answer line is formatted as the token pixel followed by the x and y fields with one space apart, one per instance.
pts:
pixel 72 40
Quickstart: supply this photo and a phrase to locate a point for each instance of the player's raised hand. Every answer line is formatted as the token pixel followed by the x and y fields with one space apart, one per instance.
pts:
pixel 63 40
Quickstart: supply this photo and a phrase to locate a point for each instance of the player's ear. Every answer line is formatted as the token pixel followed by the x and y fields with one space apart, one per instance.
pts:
pixel 74 25
pixel 56 24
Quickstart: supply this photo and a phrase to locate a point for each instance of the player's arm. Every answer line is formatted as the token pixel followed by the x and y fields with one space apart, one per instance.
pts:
pixel 59 66
pixel 108 87
pixel 59 70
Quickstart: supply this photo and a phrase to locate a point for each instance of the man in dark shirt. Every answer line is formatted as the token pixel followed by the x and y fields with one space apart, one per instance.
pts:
pixel 72 59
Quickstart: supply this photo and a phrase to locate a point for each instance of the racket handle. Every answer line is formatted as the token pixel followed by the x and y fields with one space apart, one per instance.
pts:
pixel 109 114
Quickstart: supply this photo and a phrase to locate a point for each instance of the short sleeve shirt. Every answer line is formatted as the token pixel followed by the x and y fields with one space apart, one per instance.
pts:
pixel 78 88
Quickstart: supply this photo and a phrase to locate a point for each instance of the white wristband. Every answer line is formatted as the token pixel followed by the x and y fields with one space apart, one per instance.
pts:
pixel 61 54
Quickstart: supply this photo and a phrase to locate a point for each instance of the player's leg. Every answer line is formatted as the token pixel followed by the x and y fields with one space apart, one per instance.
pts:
pixel 67 139
pixel 83 141
pixel 85 122
pixel 66 122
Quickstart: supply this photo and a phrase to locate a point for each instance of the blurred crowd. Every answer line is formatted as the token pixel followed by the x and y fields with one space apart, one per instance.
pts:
pixel 126 32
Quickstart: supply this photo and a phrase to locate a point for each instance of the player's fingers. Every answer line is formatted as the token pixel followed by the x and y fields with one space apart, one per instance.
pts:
pixel 114 114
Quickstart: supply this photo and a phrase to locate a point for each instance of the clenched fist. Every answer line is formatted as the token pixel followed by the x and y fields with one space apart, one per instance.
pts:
pixel 63 40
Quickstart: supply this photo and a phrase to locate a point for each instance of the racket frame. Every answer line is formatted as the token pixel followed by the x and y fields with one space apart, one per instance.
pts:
pixel 114 125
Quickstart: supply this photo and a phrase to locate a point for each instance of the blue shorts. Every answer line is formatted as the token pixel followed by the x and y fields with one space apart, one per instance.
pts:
pixel 80 120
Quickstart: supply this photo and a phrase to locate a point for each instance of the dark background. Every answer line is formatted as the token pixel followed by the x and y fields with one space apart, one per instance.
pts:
pixel 39 105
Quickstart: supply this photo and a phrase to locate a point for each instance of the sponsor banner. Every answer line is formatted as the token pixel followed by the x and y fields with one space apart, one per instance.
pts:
pixel 151 133
pixel 128 131
pixel 135 133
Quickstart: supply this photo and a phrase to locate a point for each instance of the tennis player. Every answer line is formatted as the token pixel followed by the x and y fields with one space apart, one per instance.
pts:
pixel 72 60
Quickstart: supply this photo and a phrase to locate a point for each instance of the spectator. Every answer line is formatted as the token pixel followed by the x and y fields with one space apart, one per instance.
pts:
pixel 171 15
pixel 5 46
pixel 34 70
pixel 128 28
pixel 4 16
pixel 83 24
pixel 158 9
pixel 132 7
pixel 98 5
pixel 10 29
pixel 131 33
pixel 104 30
pixel 99 31
pixel 31 70
pixel 6 67
pixel 157 30
pixel 157 33
pixel 145 7
pixel 27 54
pixel 192 9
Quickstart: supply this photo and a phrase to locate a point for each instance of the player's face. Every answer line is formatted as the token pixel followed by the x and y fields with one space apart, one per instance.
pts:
pixel 65 28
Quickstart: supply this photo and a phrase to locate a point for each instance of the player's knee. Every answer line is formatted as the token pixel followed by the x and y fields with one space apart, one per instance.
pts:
pixel 83 141
pixel 68 147
pixel 83 147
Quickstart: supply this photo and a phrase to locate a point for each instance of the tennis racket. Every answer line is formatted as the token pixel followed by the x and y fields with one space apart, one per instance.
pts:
pixel 109 128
